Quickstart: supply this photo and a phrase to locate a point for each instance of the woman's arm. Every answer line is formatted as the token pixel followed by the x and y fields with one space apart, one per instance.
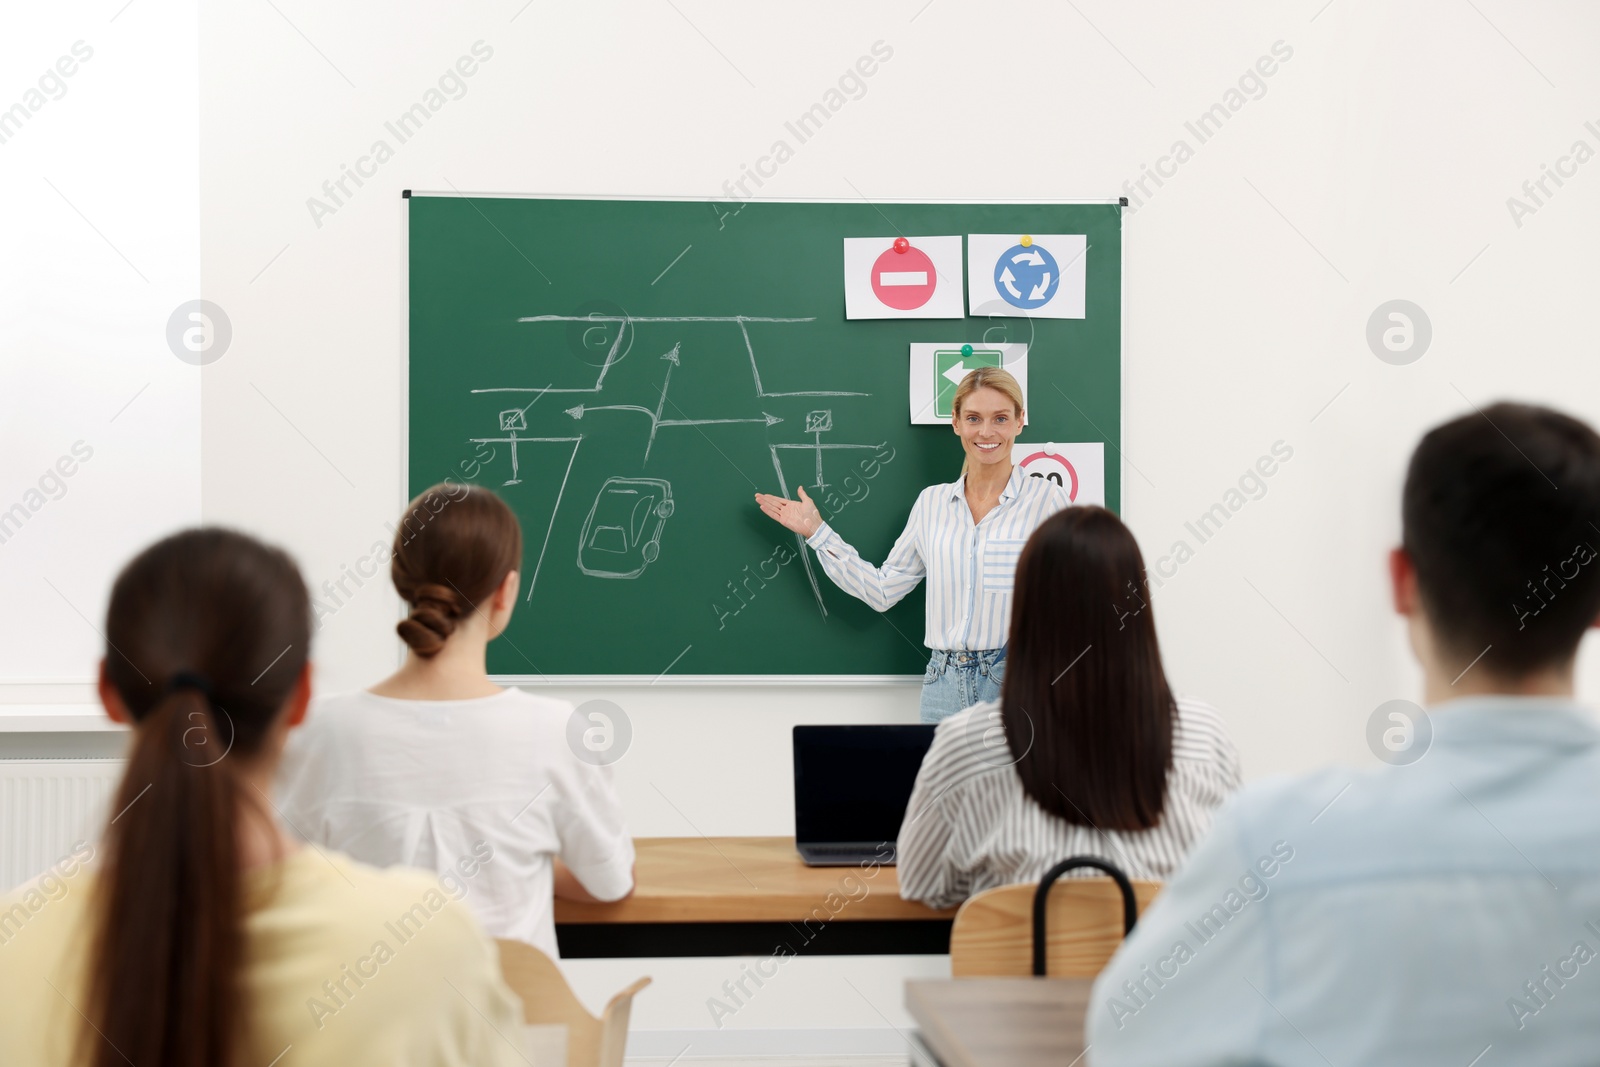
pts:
pixel 924 849
pixel 567 886
pixel 881 588
pixel 595 846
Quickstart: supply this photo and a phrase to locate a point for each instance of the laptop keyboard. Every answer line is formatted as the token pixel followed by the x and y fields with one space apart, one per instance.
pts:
pixel 847 850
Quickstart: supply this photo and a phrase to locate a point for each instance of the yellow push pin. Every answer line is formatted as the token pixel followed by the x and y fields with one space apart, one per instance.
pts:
pixel 1027 242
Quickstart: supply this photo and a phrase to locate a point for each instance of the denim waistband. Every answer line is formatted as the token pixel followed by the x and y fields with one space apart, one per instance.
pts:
pixel 956 657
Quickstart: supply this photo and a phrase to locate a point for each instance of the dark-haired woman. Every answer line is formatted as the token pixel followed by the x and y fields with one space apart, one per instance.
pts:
pixel 1087 752
pixel 204 936
pixel 438 767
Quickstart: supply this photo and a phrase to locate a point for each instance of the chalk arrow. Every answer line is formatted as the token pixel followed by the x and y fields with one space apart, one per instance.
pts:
pixel 578 412
pixel 1031 256
pixel 1039 290
pixel 1006 278
pixel 765 418
pixel 673 355
pixel 956 373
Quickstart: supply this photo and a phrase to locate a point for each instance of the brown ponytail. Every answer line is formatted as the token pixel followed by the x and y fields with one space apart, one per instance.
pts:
pixel 207 634
pixel 454 546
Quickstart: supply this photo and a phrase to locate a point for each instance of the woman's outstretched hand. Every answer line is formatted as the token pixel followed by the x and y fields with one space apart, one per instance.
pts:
pixel 801 515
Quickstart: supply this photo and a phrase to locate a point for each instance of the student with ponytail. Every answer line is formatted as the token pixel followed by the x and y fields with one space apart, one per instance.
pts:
pixel 205 936
pixel 963 537
pixel 438 767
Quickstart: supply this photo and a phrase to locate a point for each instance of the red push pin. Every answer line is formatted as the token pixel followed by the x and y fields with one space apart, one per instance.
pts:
pixel 901 244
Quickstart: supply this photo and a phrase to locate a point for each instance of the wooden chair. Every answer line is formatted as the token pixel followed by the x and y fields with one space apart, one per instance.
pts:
pixel 1084 920
pixel 548 1000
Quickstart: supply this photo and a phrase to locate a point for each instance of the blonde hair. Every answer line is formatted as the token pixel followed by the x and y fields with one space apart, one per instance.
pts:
pixel 994 378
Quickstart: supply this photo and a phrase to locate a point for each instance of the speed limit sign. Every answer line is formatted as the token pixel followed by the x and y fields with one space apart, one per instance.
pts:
pixel 1079 468
pixel 1052 467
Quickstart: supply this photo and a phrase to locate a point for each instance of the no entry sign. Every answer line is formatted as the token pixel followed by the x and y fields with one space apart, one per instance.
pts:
pixel 904 278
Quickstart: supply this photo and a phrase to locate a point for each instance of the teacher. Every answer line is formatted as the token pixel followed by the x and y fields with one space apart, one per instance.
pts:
pixel 963 536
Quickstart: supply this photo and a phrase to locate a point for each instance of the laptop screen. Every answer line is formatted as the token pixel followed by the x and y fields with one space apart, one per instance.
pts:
pixel 852 783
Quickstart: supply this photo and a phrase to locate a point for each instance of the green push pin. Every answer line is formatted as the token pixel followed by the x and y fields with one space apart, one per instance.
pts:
pixel 966 350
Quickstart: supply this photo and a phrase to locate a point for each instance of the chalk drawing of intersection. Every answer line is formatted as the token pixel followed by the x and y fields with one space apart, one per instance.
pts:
pixel 622 535
pixel 618 541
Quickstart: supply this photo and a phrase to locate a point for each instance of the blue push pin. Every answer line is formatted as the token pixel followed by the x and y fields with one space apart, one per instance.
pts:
pixel 966 350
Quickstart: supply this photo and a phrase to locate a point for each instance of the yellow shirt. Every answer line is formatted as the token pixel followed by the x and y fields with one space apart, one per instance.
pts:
pixel 345 965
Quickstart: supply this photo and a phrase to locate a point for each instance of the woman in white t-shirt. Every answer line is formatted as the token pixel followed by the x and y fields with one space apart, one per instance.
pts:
pixel 437 767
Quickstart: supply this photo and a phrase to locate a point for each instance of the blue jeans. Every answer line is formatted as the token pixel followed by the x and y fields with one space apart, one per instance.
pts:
pixel 957 680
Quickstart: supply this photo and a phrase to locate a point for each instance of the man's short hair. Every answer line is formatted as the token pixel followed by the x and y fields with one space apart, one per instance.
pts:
pixel 1501 519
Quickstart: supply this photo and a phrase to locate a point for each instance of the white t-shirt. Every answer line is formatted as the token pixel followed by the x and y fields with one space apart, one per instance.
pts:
pixel 446 784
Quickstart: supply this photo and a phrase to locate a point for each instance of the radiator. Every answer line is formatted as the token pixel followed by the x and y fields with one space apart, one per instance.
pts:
pixel 48 805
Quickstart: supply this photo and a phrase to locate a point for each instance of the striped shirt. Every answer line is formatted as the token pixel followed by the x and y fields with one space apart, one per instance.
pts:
pixel 970 826
pixel 969 566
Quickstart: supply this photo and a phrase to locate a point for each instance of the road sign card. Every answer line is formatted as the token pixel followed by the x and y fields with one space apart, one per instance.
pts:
pixel 936 370
pixel 950 365
pixel 1078 468
pixel 903 278
pixel 1038 276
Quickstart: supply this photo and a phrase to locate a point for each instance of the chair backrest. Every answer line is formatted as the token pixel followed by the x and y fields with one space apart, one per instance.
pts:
pixel 548 1000
pixel 993 932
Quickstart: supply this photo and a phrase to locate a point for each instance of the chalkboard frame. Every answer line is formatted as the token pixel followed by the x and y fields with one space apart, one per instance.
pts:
pixel 715 680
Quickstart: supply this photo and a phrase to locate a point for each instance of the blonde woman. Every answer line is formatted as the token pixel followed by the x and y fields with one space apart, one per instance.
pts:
pixel 963 536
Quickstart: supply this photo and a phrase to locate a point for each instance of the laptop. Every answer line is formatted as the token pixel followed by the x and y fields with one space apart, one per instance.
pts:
pixel 851 787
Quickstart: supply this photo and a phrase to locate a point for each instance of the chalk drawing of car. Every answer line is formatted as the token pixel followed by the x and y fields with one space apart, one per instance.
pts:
pixel 622 535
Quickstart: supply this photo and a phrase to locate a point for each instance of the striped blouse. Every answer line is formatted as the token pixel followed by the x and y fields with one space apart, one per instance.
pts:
pixel 970 826
pixel 969 566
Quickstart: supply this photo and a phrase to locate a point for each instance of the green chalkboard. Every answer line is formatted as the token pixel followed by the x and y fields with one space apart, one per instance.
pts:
pixel 629 373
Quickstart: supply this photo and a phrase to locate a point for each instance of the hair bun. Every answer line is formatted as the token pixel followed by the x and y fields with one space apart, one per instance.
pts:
pixel 435 610
pixel 452 551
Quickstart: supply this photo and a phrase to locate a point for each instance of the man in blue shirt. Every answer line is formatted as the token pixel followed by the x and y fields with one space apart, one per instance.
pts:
pixel 1444 909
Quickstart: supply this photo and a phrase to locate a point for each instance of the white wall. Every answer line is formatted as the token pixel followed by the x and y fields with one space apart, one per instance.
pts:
pixel 99 172
pixel 1376 165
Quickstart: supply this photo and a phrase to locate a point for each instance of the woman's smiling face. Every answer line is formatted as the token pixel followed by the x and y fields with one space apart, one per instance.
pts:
pixel 987 423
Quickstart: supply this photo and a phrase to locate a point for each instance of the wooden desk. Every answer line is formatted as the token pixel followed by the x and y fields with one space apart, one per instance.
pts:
pixel 1001 1022
pixel 737 896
